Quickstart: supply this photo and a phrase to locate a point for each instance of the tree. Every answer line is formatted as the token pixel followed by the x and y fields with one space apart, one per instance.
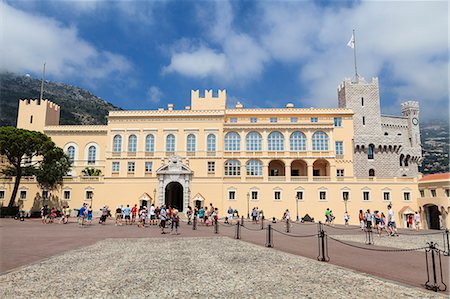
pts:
pixel 90 171
pixel 31 153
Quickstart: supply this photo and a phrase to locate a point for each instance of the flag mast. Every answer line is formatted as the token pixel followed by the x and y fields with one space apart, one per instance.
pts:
pixel 42 85
pixel 354 57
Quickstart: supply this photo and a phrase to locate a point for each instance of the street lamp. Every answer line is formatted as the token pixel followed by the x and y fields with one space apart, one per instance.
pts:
pixel 296 197
pixel 248 205
pixel 154 196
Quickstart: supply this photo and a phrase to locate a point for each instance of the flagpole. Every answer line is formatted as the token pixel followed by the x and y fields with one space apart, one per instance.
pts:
pixel 42 84
pixel 354 56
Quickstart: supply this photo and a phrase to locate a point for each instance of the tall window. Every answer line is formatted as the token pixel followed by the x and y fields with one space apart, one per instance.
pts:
pixel 407 196
pixel 115 166
pixel 232 168
pixel 338 121
pixel 170 143
pixel 366 195
pixel 132 143
pixel 211 167
pixel 150 143
pixel 190 143
pixel 71 153
pixel 254 168
pixel 117 144
pixel 298 141
pixel 339 148
pixel 386 196
pixel 92 154
pixel 319 141
pixel 370 150
pixel 254 141
pixel 275 141
pixel 371 172
pixel 148 167
pixel 211 143
pixel 232 142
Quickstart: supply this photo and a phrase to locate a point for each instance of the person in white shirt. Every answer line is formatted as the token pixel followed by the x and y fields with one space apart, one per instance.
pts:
pixel 417 221
pixel 152 215
pixel 391 222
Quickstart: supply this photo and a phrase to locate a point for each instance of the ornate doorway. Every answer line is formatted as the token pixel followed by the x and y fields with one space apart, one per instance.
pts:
pixel 174 196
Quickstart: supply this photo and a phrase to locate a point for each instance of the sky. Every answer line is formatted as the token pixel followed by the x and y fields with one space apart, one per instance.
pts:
pixel 145 54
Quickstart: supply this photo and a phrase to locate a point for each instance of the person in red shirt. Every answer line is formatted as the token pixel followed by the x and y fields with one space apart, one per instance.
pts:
pixel 133 213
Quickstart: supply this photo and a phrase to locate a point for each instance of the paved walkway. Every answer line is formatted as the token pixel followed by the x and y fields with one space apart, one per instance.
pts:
pixel 25 242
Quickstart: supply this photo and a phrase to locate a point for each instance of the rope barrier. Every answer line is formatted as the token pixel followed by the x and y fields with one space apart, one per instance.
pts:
pixel 373 249
pixel 343 228
pixel 424 234
pixel 294 236
pixel 256 230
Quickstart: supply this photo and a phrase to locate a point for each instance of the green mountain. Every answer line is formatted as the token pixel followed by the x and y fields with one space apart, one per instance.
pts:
pixel 78 106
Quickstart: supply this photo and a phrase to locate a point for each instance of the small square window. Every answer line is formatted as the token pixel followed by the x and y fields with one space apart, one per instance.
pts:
pixel 89 194
pixel 233 120
pixel 253 120
pixel 211 167
pixel 277 195
pixel 338 122
pixel 231 195
pixel 115 166
pixel 294 119
pixel 422 193
pixel 131 166
pixel 254 195
pixel 433 192
pixel 2 194
pixel 299 195
pixel 345 195
pixel 406 196
pixel 66 194
pixel 366 196
pixel 386 196
pixel 23 195
pixel 148 167
pixel 323 195
pixel 314 119
pixel 340 172
pixel 45 194
pixel 273 119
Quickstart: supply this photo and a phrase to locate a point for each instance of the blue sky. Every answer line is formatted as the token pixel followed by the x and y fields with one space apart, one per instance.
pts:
pixel 146 54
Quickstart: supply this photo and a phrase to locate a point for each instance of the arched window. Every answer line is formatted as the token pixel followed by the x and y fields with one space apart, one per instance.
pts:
pixel 150 143
pixel 71 153
pixel 275 141
pixel 232 142
pixel 232 168
pixel 92 154
pixel 211 143
pixel 371 172
pixel 297 141
pixel 190 144
pixel 253 141
pixel 370 151
pixel 170 143
pixel 132 143
pixel 254 168
pixel 319 141
pixel 117 144
pixel 407 160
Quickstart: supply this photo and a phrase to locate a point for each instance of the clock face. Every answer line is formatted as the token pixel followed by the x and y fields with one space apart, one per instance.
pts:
pixel 415 121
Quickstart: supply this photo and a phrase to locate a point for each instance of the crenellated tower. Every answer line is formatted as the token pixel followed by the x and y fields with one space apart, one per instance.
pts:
pixel 36 115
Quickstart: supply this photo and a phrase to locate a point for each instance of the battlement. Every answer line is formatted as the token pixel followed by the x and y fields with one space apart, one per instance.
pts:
pixel 35 114
pixel 410 105
pixel 208 101
pixel 37 102
pixel 361 81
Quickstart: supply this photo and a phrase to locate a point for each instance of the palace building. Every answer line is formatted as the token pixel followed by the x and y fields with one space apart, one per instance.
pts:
pixel 303 159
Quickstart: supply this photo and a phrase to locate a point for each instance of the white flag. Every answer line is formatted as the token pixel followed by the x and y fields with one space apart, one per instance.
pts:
pixel 351 43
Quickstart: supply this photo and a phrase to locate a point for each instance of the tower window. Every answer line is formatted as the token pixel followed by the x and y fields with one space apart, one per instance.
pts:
pixel 364 120
pixel 362 102
pixel 370 151
pixel 371 172
pixel 31 119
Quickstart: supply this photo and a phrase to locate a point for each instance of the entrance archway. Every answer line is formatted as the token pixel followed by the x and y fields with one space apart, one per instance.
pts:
pixel 432 216
pixel 174 195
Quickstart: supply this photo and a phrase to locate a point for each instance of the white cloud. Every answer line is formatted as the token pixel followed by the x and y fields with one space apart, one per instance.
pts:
pixel 154 94
pixel 28 41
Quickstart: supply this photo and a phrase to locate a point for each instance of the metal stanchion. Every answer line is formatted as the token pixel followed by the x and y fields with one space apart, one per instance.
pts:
pixel 323 245
pixel 238 231
pixel 446 243
pixel 242 220
pixel 194 223
pixel 288 225
pixel 216 226
pixel 262 223
pixel 369 236
pixel 269 236
pixel 435 253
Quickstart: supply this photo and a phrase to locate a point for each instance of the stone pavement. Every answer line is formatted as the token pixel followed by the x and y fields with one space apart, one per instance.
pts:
pixel 26 242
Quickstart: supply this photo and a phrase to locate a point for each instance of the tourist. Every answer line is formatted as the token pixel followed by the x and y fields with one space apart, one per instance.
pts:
pixel 417 220
pixel 134 211
pixel 62 215
pixel 410 221
pixel 346 218
pixel 52 215
pixel 201 214
pixel 327 216
pixel 368 219
pixel 105 213
pixel 118 215
pixel 162 218
pixel 361 219
pixel 127 215
pixel 175 221
pixel 44 214
pixel 382 224
pixel 67 214
pixel 89 215
pixel 254 215
pixel 189 215
pixel 377 219
pixel 142 217
pixel 391 222
pixel 152 214
pixel 82 215
pixel 332 217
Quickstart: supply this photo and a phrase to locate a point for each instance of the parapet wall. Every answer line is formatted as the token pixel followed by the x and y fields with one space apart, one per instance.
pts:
pixel 208 101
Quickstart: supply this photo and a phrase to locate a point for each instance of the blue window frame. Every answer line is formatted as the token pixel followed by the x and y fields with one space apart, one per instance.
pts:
pixel 132 143
pixel 232 142
pixel 170 143
pixel 190 147
pixel 150 143
pixel 253 141
pixel 297 141
pixel 117 144
pixel 211 143
pixel 92 154
pixel 71 153
pixel 320 141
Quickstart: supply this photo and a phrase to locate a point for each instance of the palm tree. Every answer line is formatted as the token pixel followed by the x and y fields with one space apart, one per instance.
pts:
pixel 90 171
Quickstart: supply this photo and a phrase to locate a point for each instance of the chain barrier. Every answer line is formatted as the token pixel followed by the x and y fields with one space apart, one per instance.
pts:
pixel 294 236
pixel 342 228
pixel 252 229
pixel 423 234
pixel 369 236
pixel 375 249
pixel 194 223
pixel 446 242
pixel 216 226
pixel 435 253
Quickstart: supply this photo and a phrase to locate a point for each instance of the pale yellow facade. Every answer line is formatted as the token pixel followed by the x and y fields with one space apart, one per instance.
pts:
pixel 290 158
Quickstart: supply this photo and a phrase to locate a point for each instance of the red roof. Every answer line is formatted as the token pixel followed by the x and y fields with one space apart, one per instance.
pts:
pixel 436 177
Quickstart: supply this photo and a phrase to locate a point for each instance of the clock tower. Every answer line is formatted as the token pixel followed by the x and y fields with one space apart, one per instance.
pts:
pixel 410 109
